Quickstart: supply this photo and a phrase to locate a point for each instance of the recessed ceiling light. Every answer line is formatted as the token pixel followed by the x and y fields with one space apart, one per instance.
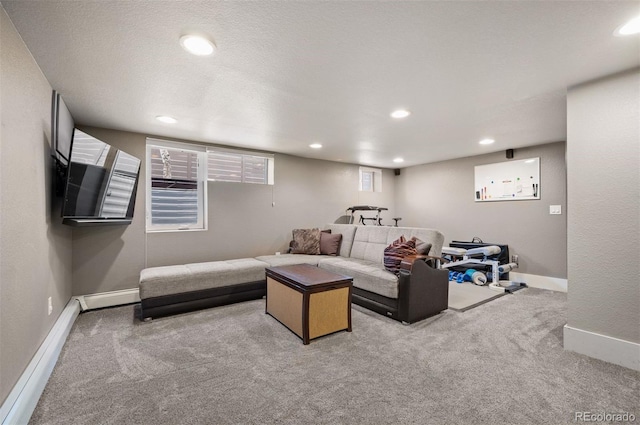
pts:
pixel 315 145
pixel 398 160
pixel 486 141
pixel 198 45
pixel 166 119
pixel 400 113
pixel 630 28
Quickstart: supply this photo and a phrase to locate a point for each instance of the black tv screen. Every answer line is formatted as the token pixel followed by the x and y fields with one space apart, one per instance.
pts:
pixel 101 183
pixel 62 128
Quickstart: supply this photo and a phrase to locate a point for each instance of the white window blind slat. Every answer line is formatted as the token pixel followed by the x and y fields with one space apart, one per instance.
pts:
pixel 174 187
pixel 89 150
pixel 121 185
pixel 237 167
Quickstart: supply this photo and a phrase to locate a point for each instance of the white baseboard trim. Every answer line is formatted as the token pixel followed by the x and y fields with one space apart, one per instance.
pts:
pixel 542 282
pixel 602 347
pixel 23 398
pixel 108 299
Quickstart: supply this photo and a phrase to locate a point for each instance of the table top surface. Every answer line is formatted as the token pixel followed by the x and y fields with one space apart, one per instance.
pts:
pixel 307 275
pixel 366 208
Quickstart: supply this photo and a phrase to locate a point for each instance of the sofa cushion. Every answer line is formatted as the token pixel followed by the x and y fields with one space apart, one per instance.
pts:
pixel 395 253
pixel 289 259
pixel 306 241
pixel 347 231
pixel 158 281
pixel 369 243
pixel 228 272
pixel 366 275
pixel 330 242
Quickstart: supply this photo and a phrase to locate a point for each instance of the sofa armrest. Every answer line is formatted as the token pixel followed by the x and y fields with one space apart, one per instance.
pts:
pixel 423 290
pixel 407 262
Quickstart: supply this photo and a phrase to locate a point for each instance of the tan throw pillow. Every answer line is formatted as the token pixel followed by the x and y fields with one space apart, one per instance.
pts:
pixel 330 243
pixel 306 241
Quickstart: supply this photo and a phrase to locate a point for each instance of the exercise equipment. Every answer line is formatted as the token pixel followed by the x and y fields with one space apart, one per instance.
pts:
pixel 471 275
pixel 480 256
pixel 476 242
pixel 376 221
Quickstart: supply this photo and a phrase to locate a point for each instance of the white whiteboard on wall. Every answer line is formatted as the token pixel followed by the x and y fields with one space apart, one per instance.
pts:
pixel 508 181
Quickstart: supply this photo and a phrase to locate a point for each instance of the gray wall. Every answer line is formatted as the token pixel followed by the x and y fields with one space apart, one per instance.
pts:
pixel 603 159
pixel 307 193
pixel 441 195
pixel 242 220
pixel 110 258
pixel 35 250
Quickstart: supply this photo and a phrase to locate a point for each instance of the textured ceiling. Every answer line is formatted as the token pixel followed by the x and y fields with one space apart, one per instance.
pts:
pixel 288 74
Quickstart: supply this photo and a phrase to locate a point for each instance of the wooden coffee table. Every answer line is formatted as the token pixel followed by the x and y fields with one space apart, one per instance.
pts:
pixel 310 301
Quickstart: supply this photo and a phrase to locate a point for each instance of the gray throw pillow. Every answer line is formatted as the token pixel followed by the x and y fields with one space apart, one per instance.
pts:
pixel 422 247
pixel 306 241
pixel 330 243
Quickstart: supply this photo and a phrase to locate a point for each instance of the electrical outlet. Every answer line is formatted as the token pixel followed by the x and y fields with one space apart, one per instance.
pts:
pixel 514 259
pixel 50 303
pixel 555 209
pixel 278 253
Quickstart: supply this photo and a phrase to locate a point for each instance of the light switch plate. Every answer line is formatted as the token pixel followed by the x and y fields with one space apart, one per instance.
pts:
pixel 555 209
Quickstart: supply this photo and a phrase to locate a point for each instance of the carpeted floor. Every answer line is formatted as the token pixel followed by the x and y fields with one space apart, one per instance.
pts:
pixel 499 363
pixel 465 296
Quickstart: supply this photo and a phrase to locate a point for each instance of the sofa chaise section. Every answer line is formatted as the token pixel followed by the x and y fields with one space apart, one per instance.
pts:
pixel 419 291
pixel 181 288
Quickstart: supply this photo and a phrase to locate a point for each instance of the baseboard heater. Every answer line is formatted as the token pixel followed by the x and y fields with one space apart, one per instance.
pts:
pixel 108 299
pixel 23 398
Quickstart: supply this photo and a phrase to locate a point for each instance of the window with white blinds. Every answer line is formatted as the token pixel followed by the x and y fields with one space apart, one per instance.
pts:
pixel 176 185
pixel 370 179
pixel 239 167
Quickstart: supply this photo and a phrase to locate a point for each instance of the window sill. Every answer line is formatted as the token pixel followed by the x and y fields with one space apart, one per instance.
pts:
pixel 175 230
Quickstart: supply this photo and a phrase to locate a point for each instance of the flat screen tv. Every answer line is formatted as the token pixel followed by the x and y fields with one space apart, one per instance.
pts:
pixel 62 128
pixel 101 183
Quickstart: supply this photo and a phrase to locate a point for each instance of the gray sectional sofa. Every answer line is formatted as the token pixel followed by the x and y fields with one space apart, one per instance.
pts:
pixel 419 291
